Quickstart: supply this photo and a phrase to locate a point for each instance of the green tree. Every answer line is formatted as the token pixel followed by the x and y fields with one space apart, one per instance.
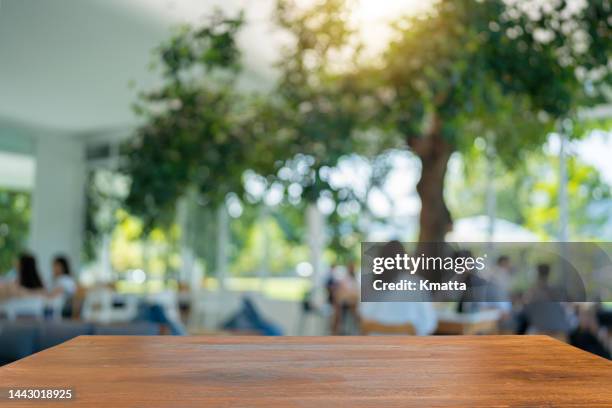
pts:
pixel 505 71
pixel 528 195
pixel 318 97
pixel 196 139
pixel 502 70
pixel 585 189
pixel 14 225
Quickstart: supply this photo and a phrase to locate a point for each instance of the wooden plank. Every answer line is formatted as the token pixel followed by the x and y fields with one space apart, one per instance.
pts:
pixel 445 371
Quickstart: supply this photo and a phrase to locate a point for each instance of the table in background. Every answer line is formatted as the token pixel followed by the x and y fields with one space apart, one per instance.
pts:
pixel 453 371
pixel 451 322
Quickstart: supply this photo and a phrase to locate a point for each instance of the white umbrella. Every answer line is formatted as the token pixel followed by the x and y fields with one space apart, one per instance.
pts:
pixel 475 229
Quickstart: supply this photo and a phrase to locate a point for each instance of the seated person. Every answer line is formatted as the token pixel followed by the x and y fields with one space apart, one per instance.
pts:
pixel 543 312
pixel 586 335
pixel 28 278
pixel 543 290
pixel 420 312
pixel 26 294
pixel 482 294
pixel 346 297
pixel 63 282
pixel 421 315
pixel 64 285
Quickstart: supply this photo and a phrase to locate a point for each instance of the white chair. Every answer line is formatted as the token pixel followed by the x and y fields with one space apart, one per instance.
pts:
pixel 27 306
pixel 210 308
pixel 168 300
pixel 55 305
pixel 105 306
pixel 315 320
pixel 280 312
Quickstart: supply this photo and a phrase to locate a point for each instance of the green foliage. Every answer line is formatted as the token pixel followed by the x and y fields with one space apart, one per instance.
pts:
pixel 487 66
pixel 211 47
pixel 501 70
pixel 528 194
pixel 506 71
pixel 196 134
pixel 201 135
pixel 585 188
pixel 250 250
pixel 321 102
pixel 14 225
pixel 105 191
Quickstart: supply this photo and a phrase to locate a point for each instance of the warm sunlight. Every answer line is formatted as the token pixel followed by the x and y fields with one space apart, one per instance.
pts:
pixel 373 17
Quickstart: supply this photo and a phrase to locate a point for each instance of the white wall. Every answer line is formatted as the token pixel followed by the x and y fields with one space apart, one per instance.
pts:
pixel 16 171
pixel 58 201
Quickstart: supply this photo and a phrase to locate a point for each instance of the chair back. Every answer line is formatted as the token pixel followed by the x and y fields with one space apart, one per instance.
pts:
pixel 102 305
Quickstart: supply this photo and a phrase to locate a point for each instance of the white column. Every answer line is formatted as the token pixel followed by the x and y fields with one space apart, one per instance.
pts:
pixel 187 257
pixel 263 272
pixel 491 196
pixel 563 207
pixel 315 222
pixel 106 265
pixel 222 244
pixel 58 202
pixel 563 198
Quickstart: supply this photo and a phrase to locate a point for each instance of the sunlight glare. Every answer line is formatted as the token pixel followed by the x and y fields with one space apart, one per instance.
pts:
pixel 374 18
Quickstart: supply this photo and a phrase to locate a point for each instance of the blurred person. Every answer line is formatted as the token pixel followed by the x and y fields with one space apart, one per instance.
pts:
pixel 482 294
pixel 500 278
pixel 28 277
pixel 347 290
pixel 155 313
pixel 345 298
pixel 502 274
pixel 64 286
pixel 331 284
pixel 604 314
pixel 586 335
pixel 63 282
pixel 542 289
pixel 420 312
pixel 543 311
pixel 469 302
pixel 27 280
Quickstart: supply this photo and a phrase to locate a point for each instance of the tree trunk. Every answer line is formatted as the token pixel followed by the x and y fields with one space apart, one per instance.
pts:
pixel 434 152
pixel 435 219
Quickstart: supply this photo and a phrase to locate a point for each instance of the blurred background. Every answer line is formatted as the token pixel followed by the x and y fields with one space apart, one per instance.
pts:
pixel 211 167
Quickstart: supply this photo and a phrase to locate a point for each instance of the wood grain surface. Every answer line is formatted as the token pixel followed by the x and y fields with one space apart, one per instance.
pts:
pixel 447 371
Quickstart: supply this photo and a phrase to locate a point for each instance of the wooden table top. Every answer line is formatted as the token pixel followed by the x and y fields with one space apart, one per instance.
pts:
pixel 440 371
